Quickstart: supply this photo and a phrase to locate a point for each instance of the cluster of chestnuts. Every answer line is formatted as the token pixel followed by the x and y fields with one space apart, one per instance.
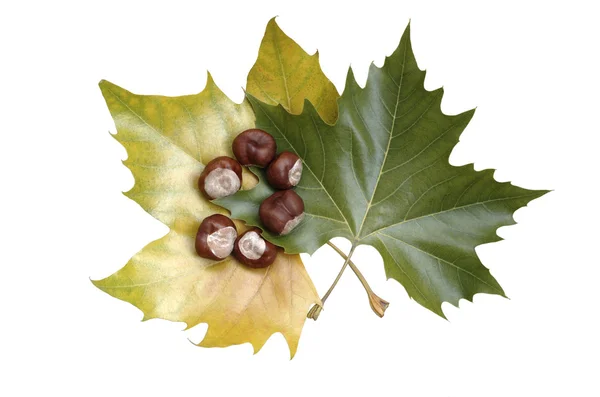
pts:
pixel 280 213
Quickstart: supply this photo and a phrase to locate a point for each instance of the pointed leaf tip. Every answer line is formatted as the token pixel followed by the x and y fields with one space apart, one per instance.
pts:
pixel 285 74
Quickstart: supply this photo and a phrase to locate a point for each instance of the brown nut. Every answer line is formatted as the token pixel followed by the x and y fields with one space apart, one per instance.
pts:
pixel 216 237
pixel 285 171
pixel 253 250
pixel 281 212
pixel 254 147
pixel 221 177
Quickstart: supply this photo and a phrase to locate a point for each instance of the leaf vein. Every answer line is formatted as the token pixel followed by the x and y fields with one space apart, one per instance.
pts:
pixel 443 260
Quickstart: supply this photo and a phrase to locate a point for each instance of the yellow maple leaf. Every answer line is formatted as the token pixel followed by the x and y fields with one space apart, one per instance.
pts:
pixel 168 141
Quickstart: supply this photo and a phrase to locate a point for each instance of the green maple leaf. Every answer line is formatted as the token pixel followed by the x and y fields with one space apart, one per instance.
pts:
pixel 380 176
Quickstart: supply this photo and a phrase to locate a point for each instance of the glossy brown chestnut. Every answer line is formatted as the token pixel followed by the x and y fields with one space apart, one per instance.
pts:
pixel 254 147
pixel 221 177
pixel 281 212
pixel 253 250
pixel 285 171
pixel 216 237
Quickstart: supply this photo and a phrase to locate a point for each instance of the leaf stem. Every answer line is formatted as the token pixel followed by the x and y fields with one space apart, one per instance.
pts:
pixel 316 309
pixel 377 304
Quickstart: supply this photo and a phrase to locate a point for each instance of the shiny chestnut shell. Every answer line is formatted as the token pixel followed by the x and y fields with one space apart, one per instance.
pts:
pixel 218 179
pixel 215 238
pixel 281 212
pixel 254 251
pixel 285 171
pixel 254 147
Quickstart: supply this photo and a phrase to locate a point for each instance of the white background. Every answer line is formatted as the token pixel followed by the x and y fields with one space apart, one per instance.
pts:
pixel 533 73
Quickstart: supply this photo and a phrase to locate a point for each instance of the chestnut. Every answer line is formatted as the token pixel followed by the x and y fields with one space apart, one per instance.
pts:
pixel 254 147
pixel 285 171
pixel 221 177
pixel 253 250
pixel 281 212
pixel 216 237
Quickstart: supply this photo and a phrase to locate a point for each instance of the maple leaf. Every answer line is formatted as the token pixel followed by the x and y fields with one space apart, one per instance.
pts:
pixel 380 176
pixel 168 142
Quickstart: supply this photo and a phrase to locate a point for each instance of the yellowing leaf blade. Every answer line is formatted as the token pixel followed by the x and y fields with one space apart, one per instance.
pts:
pixel 285 74
pixel 168 142
pixel 167 280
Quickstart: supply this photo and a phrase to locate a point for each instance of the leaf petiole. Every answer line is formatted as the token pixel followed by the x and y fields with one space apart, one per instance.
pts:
pixel 377 304
pixel 316 309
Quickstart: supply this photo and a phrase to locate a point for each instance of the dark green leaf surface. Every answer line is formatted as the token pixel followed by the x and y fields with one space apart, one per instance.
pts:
pixel 380 176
